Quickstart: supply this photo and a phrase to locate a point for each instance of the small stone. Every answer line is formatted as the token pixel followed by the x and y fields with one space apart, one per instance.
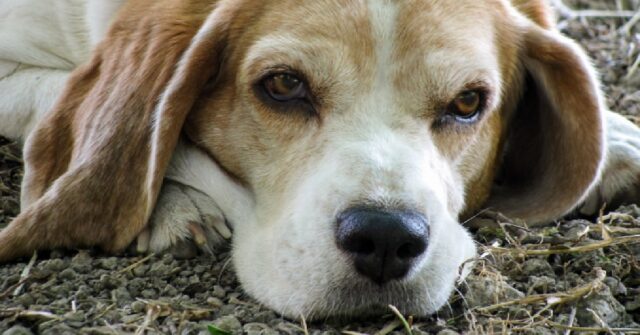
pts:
pixel 26 300
pixel 55 265
pixel 74 317
pixel 149 294
pixel 136 285
pixel 108 263
pixel 58 329
pixel 17 330
pixel 110 282
pixel 168 259
pixel 229 323
pixel 170 291
pixel 604 305
pixel 488 291
pixel 121 295
pixel 214 302
pixel 199 269
pixel 264 316
pixel 633 305
pixel 219 292
pixel 140 270
pixel 539 331
pixel 82 257
pixel 257 328
pixel 616 286
pixel 67 274
pixel 83 292
pixel 138 307
pixel 159 269
pixel 448 332
pixel 537 267
pixel 540 284
pixel 288 328
pixel 56 253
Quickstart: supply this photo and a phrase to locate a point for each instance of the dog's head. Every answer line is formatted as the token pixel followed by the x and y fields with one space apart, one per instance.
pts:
pixel 364 131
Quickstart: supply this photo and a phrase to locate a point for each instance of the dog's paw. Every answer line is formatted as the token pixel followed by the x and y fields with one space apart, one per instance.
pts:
pixel 184 222
pixel 620 180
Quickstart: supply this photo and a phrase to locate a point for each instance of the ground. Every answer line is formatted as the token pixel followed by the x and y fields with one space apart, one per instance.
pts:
pixel 571 276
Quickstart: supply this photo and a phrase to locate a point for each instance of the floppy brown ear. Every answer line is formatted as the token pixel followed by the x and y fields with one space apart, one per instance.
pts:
pixel 95 165
pixel 555 148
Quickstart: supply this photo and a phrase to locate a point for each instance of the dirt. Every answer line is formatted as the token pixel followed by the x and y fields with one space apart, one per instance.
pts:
pixel 574 275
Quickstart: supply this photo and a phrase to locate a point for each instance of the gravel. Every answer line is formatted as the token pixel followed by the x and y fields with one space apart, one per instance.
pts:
pixel 524 281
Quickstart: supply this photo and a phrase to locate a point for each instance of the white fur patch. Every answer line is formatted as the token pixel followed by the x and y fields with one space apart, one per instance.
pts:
pixel 41 42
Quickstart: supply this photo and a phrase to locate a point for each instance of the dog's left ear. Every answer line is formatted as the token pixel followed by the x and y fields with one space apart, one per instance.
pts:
pixel 95 165
pixel 556 146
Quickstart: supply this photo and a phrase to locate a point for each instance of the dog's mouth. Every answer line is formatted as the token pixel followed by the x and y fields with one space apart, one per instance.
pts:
pixel 366 299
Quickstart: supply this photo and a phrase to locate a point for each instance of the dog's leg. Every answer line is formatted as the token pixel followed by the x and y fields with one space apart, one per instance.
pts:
pixel 620 179
pixel 184 220
pixel 189 213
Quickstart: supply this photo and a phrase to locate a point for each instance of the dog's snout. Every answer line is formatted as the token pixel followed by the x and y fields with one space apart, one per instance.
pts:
pixel 384 244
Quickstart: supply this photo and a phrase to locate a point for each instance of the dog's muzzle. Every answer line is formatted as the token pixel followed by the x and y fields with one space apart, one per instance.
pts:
pixel 383 244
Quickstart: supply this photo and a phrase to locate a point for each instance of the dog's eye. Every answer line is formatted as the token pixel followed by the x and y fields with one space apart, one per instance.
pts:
pixel 466 105
pixel 284 87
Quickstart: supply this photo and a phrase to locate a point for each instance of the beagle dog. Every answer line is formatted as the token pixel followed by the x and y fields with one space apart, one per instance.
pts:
pixel 343 141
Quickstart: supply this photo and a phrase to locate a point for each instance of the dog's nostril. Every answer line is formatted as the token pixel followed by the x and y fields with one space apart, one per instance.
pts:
pixel 411 250
pixel 383 244
pixel 360 245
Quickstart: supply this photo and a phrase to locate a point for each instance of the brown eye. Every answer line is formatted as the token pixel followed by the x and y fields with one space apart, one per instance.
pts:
pixel 285 87
pixel 466 105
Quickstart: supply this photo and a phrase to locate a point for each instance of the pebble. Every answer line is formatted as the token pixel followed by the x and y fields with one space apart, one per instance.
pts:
pixel 110 282
pixel 200 269
pixel 633 305
pixel 149 294
pixel 170 291
pixel 616 286
pixel 488 291
pixel 68 274
pixel 256 328
pixel 138 307
pixel 447 332
pixel 229 323
pixel 54 265
pixel 17 330
pixel 540 284
pixel 121 295
pixel 26 300
pixel 58 329
pixel 159 269
pixel 214 302
pixel 264 316
pixel 140 270
pixel 219 292
pixel 537 267
pixel 108 263
pixel 604 305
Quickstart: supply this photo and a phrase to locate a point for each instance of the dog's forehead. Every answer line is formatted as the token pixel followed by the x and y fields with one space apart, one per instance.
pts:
pixel 412 39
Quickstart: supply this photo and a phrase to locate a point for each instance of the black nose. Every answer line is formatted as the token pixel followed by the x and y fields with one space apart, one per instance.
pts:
pixel 384 244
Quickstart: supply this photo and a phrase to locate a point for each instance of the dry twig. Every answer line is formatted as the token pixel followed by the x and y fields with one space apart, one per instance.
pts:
pixel 566 250
pixel 24 276
pixel 552 299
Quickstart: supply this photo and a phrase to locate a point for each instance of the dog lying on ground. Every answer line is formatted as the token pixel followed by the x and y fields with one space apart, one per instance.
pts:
pixel 342 140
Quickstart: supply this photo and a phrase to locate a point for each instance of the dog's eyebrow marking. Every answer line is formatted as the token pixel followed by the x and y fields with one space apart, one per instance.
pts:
pixel 383 17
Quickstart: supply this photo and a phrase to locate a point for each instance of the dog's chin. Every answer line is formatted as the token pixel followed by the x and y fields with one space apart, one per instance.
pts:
pixel 366 299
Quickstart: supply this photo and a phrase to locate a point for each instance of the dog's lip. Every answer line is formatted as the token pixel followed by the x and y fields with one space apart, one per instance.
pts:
pixel 359 297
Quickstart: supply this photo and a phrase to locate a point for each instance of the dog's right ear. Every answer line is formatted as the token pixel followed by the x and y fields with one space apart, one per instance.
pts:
pixel 95 164
pixel 556 146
